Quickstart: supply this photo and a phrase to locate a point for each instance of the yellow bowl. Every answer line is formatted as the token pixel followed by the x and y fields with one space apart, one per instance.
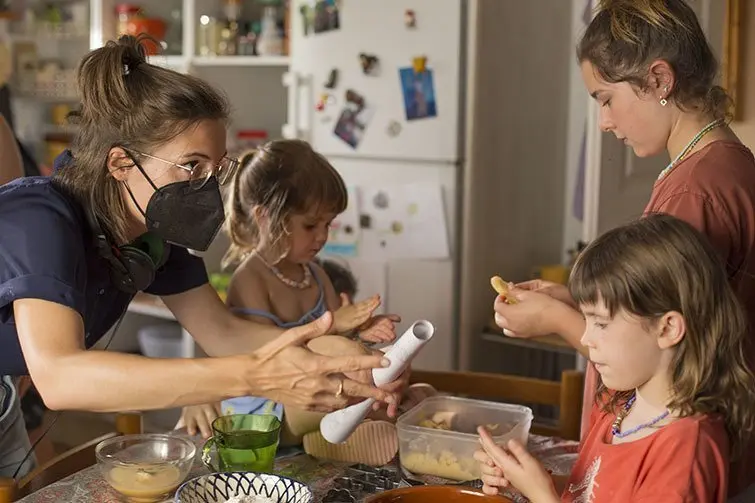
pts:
pixel 145 468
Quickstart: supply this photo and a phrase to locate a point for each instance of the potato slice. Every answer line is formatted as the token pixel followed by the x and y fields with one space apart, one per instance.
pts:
pixel 502 288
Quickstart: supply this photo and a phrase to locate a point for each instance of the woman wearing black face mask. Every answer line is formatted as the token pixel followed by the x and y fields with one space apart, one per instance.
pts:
pixel 139 187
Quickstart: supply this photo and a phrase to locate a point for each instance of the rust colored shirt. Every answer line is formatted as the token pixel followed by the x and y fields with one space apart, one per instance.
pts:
pixel 714 190
pixel 685 461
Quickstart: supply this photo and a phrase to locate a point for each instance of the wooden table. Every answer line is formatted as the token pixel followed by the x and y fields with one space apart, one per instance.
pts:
pixel 88 486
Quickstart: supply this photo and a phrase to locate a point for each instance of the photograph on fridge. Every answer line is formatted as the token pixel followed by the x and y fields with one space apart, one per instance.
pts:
pixel 321 16
pixel 419 93
pixel 354 118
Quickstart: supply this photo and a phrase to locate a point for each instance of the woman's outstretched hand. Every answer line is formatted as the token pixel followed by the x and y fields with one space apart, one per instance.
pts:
pixel 286 371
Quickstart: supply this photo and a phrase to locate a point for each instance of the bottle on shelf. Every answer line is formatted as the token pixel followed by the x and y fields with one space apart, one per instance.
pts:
pixel 269 42
pixel 229 32
pixel 208 36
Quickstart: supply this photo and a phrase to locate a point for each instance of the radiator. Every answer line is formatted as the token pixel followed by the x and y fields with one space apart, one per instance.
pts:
pixel 503 355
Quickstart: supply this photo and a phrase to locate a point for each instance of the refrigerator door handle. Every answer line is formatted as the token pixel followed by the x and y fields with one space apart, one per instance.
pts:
pixel 295 84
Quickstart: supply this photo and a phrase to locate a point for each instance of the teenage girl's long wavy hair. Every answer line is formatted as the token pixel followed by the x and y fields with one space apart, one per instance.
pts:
pixel 659 264
pixel 626 36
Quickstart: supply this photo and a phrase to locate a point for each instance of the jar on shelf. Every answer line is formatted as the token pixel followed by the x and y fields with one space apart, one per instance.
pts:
pixel 154 27
pixel 247 44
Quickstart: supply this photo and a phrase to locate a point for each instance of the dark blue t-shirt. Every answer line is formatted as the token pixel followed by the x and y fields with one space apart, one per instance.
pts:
pixel 47 252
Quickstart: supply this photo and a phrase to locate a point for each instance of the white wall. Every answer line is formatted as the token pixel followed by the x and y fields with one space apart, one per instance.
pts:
pixel 578 101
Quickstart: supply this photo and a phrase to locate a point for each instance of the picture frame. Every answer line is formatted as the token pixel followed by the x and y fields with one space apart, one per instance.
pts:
pixel 731 63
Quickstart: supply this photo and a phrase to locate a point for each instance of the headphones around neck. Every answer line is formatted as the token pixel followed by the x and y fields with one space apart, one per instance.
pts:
pixel 132 266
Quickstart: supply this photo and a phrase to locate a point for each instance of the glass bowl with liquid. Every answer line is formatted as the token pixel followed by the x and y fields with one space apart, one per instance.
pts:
pixel 145 468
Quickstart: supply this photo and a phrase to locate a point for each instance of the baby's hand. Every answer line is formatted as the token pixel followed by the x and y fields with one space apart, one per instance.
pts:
pixel 349 316
pixel 379 328
pixel 199 417
pixel 492 476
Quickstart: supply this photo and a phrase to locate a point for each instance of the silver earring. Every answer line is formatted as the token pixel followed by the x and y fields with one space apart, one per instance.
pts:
pixel 664 101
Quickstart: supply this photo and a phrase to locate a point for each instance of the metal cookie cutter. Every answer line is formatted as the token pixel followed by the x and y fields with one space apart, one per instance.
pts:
pixel 361 481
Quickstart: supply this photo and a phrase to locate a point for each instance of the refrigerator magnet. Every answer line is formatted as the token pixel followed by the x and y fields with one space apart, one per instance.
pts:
pixel 394 129
pixel 325 101
pixel 410 18
pixel 370 63
pixel 380 200
pixel 419 64
pixel 419 93
pixel 332 81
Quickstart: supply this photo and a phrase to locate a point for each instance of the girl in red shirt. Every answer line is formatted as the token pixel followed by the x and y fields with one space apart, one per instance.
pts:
pixel 665 332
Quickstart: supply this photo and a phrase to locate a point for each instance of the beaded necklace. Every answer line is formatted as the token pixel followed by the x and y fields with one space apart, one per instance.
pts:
pixel 716 123
pixel 302 285
pixel 616 427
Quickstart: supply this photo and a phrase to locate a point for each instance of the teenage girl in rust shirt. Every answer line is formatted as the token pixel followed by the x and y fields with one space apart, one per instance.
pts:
pixel 652 72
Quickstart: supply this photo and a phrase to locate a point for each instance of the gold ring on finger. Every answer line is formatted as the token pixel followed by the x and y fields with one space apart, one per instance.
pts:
pixel 340 389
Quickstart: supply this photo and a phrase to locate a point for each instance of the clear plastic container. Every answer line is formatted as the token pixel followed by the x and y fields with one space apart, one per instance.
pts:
pixel 450 453
pixel 161 341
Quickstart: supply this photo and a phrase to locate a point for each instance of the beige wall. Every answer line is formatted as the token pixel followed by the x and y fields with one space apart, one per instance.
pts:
pixel 513 183
pixel 746 127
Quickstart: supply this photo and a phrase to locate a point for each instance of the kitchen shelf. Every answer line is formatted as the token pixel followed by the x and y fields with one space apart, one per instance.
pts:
pixel 281 61
pixel 150 305
pixel 178 63
pixel 182 64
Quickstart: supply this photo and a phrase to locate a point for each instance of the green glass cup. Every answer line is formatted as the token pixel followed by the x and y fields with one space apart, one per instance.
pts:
pixel 244 442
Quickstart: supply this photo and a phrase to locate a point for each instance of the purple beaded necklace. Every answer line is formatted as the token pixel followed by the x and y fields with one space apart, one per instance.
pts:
pixel 616 427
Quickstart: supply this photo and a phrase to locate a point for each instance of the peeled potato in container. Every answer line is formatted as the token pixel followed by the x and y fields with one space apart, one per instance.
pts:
pixel 502 288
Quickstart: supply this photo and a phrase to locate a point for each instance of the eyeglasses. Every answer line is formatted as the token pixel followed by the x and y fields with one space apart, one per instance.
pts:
pixel 202 170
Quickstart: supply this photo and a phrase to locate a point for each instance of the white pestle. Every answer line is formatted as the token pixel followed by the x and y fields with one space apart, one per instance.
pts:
pixel 338 426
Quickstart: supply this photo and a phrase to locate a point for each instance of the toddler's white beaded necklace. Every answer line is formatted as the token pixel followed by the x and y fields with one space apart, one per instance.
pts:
pixel 302 285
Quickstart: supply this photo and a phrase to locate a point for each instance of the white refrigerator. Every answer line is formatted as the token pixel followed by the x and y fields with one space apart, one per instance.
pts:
pixel 377 88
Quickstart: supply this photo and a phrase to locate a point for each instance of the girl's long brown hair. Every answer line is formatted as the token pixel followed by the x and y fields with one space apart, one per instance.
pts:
pixel 282 177
pixel 660 264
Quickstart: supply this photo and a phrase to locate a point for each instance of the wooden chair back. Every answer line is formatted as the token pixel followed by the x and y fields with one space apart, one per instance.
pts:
pixel 67 463
pixel 566 394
